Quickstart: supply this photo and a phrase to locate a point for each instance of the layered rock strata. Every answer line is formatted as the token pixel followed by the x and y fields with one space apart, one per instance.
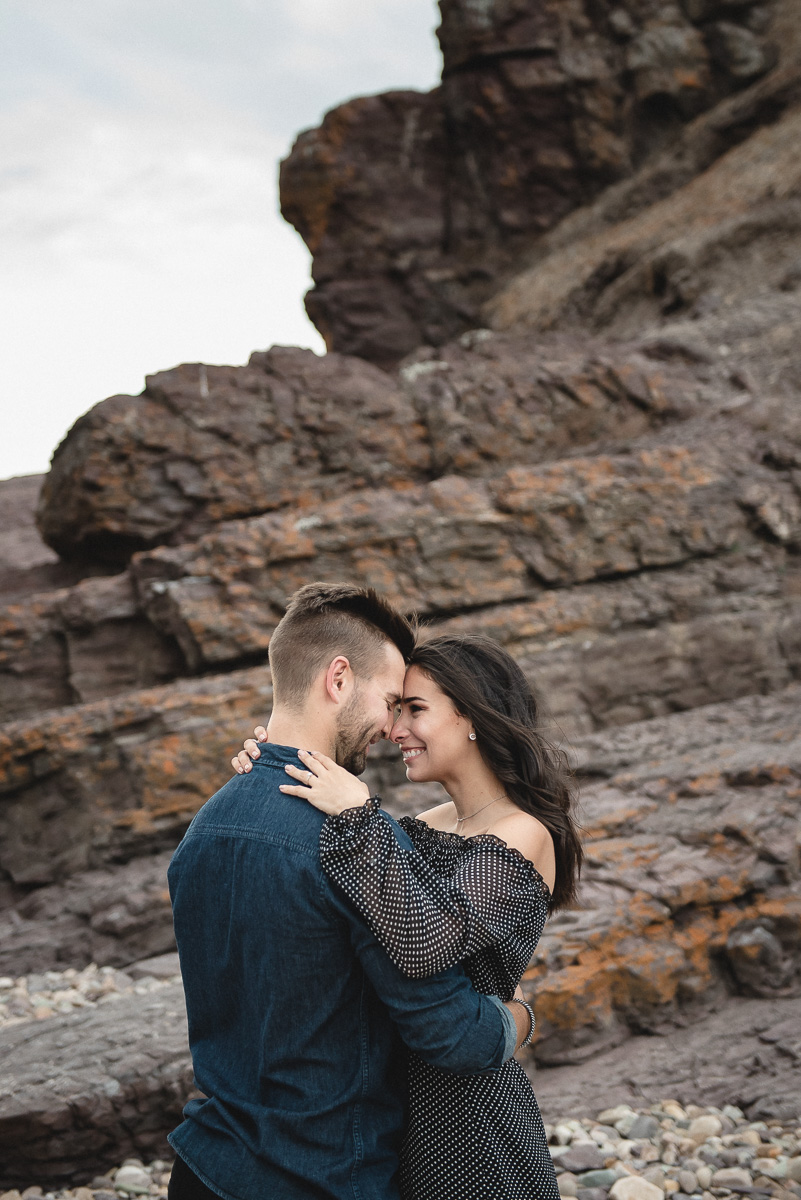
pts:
pixel 415 206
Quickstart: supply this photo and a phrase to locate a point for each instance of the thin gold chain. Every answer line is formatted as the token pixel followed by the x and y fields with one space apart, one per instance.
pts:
pixel 461 820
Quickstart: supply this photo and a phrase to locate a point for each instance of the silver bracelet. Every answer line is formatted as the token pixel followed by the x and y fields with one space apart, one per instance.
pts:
pixel 530 1012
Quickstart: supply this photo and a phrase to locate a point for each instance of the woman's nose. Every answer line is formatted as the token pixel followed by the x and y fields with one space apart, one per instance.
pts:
pixel 398 731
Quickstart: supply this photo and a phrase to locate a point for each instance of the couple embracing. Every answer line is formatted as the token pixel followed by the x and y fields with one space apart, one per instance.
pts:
pixel 350 980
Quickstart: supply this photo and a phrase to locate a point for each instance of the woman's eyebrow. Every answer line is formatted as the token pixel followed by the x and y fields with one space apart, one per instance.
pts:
pixel 414 699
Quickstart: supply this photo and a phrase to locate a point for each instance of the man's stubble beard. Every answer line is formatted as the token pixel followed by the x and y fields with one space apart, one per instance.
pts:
pixel 353 737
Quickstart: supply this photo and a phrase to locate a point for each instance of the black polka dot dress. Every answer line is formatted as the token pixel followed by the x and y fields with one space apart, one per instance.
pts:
pixel 453 899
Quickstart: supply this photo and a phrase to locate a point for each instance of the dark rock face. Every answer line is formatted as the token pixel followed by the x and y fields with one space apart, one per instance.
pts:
pixel 747 1054
pixel 204 444
pixel 691 884
pixel 108 781
pixel 414 206
pixel 89 1089
pixel 115 914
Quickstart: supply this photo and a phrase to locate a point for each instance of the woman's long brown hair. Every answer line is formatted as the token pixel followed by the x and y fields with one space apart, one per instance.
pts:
pixel 488 688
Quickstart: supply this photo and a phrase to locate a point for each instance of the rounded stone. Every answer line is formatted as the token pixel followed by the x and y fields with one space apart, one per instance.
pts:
pixel 704 1127
pixel 131 1178
pixel 671 1108
pixel 582 1156
pixel 567 1184
pixel 644 1127
pixel 599 1179
pixel 634 1188
pixel 774 1168
pixel 728 1177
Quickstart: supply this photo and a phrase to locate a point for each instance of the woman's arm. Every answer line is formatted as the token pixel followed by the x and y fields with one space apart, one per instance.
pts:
pixel 425 920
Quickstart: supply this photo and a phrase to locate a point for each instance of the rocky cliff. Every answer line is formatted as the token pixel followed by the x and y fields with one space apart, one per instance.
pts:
pixel 562 407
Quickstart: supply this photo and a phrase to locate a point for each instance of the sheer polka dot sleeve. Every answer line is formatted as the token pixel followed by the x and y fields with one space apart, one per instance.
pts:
pixel 427 919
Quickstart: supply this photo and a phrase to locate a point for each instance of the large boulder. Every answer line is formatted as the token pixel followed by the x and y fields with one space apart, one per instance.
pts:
pixel 415 206
pixel 82 1092
pixel 204 445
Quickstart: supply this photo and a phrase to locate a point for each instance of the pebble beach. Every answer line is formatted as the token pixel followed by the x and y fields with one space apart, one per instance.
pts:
pixel 623 1153
pixel 664 1151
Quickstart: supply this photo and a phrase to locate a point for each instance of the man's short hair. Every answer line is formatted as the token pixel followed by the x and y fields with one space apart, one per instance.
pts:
pixel 323 620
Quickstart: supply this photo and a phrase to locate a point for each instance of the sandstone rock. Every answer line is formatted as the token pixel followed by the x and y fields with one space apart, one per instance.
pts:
pixel 93 784
pixel 627 960
pixel 162 966
pixel 715 1059
pixel 451 543
pixel 26 563
pixel 204 444
pixel 79 644
pixel 208 444
pixel 113 915
pixel 653 266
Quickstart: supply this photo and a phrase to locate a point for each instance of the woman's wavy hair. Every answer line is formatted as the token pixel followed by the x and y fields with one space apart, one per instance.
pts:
pixel 488 688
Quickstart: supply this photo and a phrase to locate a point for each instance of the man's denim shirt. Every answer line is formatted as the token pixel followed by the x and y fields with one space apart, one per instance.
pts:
pixel 297 1017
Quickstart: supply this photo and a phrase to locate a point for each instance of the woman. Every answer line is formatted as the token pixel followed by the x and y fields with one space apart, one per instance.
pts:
pixel 487 867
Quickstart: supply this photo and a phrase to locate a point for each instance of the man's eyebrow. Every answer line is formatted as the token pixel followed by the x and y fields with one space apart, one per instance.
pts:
pixel 393 698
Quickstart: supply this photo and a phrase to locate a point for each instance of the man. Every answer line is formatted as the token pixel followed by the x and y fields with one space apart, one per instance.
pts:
pixel 296 1014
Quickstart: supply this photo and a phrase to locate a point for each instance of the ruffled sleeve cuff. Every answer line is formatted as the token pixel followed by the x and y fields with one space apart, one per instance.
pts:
pixel 347 831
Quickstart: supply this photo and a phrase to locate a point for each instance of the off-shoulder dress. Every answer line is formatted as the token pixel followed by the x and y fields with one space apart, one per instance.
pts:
pixel 453 899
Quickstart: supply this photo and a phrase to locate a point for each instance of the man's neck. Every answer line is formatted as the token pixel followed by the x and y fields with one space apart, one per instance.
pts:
pixel 301 730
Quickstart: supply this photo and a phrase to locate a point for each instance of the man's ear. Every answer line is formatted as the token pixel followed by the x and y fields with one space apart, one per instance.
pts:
pixel 339 679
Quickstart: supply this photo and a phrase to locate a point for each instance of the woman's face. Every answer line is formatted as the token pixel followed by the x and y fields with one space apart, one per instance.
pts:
pixel 433 737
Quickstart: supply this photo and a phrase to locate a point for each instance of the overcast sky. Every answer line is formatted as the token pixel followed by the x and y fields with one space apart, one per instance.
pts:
pixel 139 223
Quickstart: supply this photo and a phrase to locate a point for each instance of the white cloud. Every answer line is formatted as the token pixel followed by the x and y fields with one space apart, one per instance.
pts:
pixel 138 206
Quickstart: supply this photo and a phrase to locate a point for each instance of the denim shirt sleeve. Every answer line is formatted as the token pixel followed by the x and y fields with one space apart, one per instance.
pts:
pixel 511 1027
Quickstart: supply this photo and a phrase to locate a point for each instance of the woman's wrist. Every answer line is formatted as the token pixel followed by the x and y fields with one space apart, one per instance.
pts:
pixel 532 1020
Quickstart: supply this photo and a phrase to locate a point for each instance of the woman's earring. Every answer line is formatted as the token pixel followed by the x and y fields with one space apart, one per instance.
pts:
pixel 472 737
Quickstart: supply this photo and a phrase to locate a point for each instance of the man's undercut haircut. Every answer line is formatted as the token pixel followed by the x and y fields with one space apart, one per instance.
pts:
pixel 324 620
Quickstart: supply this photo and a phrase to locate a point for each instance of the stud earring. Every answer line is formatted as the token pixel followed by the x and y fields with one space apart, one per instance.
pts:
pixel 472 737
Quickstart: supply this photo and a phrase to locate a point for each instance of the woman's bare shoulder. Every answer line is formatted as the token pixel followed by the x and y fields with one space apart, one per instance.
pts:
pixel 525 833
pixel 440 817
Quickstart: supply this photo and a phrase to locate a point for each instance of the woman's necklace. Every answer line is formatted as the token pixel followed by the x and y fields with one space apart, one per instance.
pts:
pixel 461 820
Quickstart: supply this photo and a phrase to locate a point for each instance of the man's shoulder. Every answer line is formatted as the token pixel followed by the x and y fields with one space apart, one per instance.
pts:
pixel 251 806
